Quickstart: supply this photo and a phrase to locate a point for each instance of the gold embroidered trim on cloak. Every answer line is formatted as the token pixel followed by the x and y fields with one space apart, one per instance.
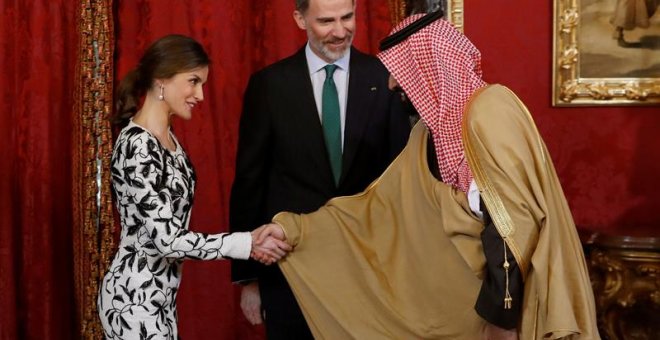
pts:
pixel 493 201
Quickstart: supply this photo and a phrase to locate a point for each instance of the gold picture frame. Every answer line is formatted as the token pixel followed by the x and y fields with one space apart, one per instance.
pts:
pixel 453 9
pixel 589 57
pixel 455 13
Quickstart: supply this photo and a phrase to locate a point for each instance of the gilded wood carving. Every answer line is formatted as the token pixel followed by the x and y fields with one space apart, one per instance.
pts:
pixel 453 9
pixel 601 60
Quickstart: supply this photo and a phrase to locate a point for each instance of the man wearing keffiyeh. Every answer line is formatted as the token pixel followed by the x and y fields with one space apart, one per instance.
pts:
pixel 486 248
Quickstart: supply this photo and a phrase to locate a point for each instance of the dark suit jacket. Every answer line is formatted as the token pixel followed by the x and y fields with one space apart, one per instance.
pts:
pixel 282 163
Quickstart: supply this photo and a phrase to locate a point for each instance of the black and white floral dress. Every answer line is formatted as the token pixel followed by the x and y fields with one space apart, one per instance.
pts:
pixel 154 190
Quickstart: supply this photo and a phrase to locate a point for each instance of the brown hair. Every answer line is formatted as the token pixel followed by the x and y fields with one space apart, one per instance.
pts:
pixel 302 5
pixel 165 58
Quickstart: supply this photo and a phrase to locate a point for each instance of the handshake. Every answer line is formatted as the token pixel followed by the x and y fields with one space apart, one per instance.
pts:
pixel 268 244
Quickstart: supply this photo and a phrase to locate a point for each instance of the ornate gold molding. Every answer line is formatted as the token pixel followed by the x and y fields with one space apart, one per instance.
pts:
pixel 569 88
pixel 399 9
pixel 92 202
pixel 455 13
pixel 625 274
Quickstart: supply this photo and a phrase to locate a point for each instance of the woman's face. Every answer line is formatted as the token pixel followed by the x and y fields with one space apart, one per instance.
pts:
pixel 183 91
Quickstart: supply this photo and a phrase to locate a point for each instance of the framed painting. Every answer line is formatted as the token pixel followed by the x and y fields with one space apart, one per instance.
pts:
pixel 606 52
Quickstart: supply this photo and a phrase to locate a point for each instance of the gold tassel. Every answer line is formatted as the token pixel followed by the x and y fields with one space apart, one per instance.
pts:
pixel 507 296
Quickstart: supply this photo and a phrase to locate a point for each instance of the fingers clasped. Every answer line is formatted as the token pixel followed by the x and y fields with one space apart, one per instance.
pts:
pixel 268 244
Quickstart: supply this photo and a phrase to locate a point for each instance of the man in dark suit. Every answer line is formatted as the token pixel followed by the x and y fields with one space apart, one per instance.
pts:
pixel 309 132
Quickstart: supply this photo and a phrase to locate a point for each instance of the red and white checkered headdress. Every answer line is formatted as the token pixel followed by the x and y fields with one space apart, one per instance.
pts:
pixel 439 69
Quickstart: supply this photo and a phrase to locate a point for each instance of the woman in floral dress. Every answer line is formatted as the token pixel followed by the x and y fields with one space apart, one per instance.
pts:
pixel 153 183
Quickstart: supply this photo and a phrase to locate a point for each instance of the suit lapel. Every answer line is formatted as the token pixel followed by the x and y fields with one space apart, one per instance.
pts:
pixel 362 91
pixel 306 117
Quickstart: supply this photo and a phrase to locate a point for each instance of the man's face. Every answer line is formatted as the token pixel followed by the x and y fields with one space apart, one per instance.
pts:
pixel 330 25
pixel 406 104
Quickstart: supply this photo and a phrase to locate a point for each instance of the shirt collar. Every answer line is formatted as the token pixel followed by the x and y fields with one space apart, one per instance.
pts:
pixel 315 63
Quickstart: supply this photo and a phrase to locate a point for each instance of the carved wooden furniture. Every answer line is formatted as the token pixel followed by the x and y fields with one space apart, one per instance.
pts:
pixel 625 275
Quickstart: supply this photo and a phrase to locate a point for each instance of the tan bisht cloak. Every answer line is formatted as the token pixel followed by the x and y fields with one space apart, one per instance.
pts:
pixel 403 259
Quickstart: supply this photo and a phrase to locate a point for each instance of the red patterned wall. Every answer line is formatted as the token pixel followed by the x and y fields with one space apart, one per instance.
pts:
pixel 607 158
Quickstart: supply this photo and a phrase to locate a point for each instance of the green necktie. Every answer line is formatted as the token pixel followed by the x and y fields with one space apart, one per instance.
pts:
pixel 331 122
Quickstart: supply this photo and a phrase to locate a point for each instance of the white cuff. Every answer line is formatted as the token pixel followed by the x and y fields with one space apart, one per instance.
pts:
pixel 237 245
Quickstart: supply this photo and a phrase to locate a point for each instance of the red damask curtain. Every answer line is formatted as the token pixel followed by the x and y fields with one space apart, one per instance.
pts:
pixel 240 37
pixel 38 60
pixel 57 75
pixel 46 285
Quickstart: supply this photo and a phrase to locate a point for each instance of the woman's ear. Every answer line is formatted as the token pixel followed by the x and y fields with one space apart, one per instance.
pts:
pixel 158 82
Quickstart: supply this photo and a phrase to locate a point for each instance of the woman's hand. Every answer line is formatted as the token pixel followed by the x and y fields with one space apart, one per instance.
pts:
pixel 268 244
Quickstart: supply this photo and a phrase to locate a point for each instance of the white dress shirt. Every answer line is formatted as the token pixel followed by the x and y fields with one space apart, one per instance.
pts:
pixel 317 74
pixel 474 199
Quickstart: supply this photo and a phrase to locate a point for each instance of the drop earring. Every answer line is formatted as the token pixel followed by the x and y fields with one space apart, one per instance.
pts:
pixel 161 96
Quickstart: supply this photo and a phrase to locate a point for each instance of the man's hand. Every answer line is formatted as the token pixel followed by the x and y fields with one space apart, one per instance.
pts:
pixel 268 245
pixel 492 332
pixel 251 303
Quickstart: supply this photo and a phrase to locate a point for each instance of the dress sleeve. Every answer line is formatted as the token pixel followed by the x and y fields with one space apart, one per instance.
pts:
pixel 490 303
pixel 148 208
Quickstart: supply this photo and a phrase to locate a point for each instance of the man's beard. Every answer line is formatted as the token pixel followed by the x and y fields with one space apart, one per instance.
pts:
pixel 408 108
pixel 325 50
